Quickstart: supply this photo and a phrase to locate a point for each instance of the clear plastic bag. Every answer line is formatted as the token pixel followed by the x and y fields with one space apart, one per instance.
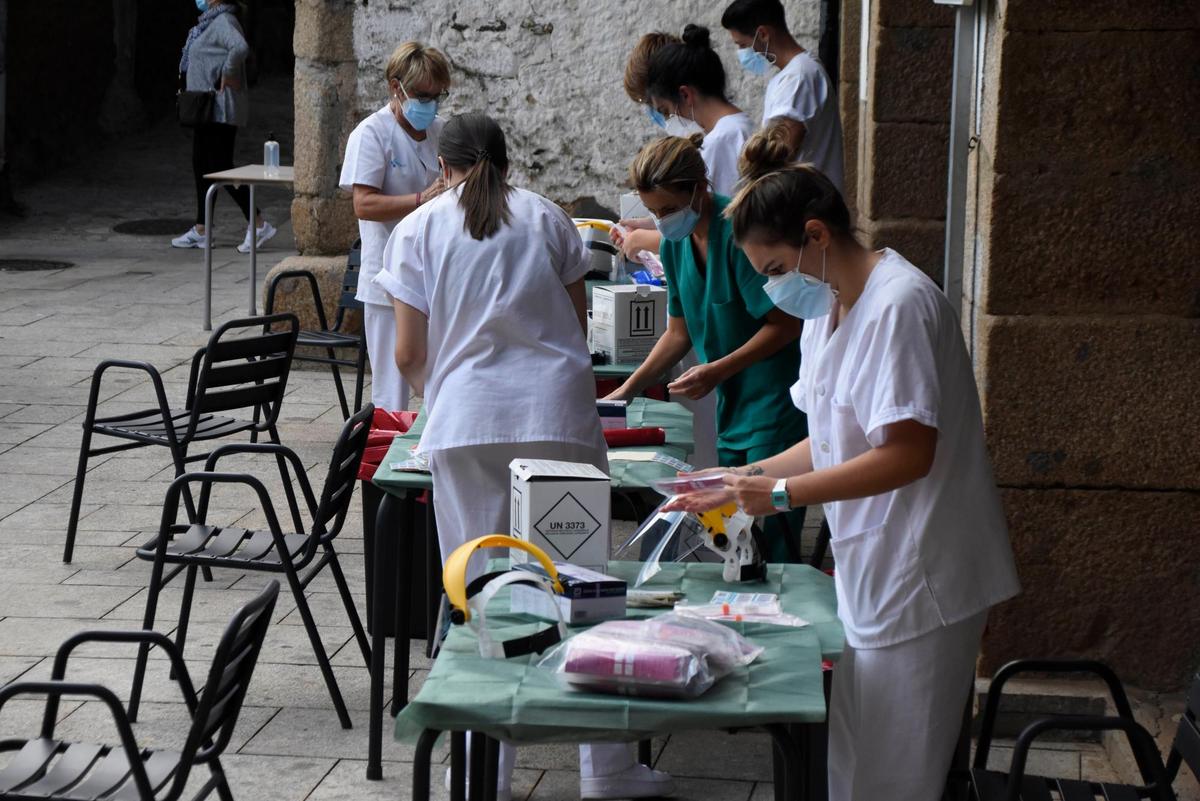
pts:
pixel 669 656
pixel 770 612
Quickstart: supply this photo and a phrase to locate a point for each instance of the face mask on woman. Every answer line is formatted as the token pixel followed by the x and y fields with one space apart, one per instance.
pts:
pixel 419 113
pixel 799 294
pixel 678 225
pixel 202 5
pixel 656 116
pixel 678 125
pixel 752 61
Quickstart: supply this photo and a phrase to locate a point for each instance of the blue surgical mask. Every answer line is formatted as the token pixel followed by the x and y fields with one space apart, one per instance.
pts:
pixel 202 5
pixel 419 113
pixel 678 225
pixel 656 116
pixel 752 61
pixel 799 294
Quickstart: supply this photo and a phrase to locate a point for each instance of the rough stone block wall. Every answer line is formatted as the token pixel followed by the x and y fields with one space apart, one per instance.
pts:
pixel 549 72
pixel 901 135
pixel 1089 329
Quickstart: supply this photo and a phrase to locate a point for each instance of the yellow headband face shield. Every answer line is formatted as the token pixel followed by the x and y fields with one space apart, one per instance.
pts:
pixel 454 572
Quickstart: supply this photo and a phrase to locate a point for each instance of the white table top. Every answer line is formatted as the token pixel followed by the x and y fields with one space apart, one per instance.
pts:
pixel 253 174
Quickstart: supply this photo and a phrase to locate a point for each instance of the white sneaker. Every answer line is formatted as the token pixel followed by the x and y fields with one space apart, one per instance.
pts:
pixel 265 232
pixel 637 781
pixel 191 239
pixel 502 793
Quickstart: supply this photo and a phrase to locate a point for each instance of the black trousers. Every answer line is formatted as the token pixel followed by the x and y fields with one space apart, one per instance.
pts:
pixel 212 151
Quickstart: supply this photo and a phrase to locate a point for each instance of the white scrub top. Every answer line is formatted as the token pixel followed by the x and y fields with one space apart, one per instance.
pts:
pixel 721 148
pixel 381 154
pixel 507 358
pixel 934 552
pixel 802 91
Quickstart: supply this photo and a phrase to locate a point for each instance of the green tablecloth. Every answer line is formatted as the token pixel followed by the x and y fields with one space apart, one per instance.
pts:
pixel 674 418
pixel 516 701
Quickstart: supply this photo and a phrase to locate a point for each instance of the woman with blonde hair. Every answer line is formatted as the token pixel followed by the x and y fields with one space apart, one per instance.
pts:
pixel 715 303
pixel 391 169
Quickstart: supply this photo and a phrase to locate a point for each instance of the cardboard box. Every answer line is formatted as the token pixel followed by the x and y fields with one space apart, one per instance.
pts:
pixel 588 596
pixel 613 413
pixel 563 508
pixel 627 320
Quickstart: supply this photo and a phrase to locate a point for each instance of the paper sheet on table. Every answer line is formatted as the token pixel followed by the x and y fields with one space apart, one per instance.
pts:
pixel 631 456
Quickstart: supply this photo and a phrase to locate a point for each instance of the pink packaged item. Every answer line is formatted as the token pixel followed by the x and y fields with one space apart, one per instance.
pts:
pixel 670 656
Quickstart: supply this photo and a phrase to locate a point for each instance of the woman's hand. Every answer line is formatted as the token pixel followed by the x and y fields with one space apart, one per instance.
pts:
pixel 619 394
pixel 698 381
pixel 635 223
pixel 636 241
pixel 229 82
pixel 696 502
pixel 753 494
pixel 434 189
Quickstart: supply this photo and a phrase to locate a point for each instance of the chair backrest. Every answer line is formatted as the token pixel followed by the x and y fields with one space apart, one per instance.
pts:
pixel 244 371
pixel 343 472
pixel 1186 748
pixel 350 279
pixel 232 667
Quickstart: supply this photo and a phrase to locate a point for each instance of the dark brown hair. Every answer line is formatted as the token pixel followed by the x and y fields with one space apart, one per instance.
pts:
pixel 474 142
pixel 691 62
pixel 774 207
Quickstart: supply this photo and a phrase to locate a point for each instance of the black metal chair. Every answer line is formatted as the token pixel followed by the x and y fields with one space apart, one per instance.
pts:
pixel 330 338
pixel 197 544
pixel 47 768
pixel 235 371
pixel 1017 785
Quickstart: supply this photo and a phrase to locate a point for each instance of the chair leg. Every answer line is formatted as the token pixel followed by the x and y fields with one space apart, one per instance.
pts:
pixel 288 489
pixel 139 671
pixel 339 578
pixel 314 637
pixel 218 772
pixel 185 610
pixel 337 384
pixel 77 496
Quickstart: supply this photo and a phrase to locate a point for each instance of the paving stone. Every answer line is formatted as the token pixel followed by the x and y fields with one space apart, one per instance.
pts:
pixel 117 675
pixel 44 515
pixel 31 488
pixel 20 432
pixel 21 636
pixel 54 601
pixel 267 778
pixel 50 556
pixel 316 732
pixel 283 645
pixel 207 604
pixel 346 782
pixel 744 756
pixel 22 717
pixel 159 725
pixel 302 686
pixel 13 667
pixel 56 537
pixel 1042 761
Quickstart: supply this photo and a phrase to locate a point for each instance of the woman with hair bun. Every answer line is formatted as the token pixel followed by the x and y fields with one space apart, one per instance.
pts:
pixel 896 455
pixel 487 287
pixel 767 151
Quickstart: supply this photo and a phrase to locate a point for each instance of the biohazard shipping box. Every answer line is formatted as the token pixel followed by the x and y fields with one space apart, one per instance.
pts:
pixel 627 319
pixel 563 508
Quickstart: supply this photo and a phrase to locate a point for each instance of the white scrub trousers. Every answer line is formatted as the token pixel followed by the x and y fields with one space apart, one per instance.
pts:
pixel 389 390
pixel 896 712
pixel 471 487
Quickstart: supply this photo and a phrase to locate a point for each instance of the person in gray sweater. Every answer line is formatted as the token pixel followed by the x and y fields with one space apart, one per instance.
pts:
pixel 214 58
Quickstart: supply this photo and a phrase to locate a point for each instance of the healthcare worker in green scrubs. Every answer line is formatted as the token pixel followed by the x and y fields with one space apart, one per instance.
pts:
pixel 747 348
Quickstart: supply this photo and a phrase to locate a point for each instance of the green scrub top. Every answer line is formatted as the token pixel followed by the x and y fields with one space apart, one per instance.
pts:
pixel 723 307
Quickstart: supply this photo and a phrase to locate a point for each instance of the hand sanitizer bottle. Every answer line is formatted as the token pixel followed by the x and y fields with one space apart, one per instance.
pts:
pixel 271 156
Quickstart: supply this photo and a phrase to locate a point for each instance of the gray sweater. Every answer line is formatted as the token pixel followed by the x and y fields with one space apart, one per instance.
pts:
pixel 221 50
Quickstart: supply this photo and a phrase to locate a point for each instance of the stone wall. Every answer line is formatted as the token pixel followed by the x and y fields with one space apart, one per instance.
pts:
pixel 897 139
pixel 1088 329
pixel 549 72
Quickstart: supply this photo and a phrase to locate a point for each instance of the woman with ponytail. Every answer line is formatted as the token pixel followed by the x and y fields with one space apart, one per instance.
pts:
pixel 897 456
pixel 487 286
pixel 715 304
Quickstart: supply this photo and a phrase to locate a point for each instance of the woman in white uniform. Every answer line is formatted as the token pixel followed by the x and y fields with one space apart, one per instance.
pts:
pixel 488 291
pixel 391 168
pixel 896 454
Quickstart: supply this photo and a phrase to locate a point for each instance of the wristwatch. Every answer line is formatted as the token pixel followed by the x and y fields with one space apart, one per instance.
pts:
pixel 779 496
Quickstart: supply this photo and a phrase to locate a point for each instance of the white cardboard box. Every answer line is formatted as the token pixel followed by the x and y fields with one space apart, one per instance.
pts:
pixel 564 509
pixel 627 320
pixel 588 596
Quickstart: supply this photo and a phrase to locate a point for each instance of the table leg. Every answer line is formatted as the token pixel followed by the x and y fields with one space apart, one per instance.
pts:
pixel 787 752
pixel 403 581
pixel 478 760
pixel 433 577
pixel 383 585
pixel 491 769
pixel 208 240
pixel 458 764
pixel 421 764
pixel 253 256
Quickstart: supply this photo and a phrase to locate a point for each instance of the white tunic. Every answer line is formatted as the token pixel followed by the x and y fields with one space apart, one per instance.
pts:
pixel 380 154
pixel 802 91
pixel 721 148
pixel 936 551
pixel 507 358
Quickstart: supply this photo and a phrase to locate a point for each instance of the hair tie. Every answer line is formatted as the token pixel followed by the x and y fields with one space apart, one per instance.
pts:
pixel 482 154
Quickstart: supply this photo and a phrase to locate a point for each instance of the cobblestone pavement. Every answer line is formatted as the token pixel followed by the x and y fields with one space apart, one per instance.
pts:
pixel 136 298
